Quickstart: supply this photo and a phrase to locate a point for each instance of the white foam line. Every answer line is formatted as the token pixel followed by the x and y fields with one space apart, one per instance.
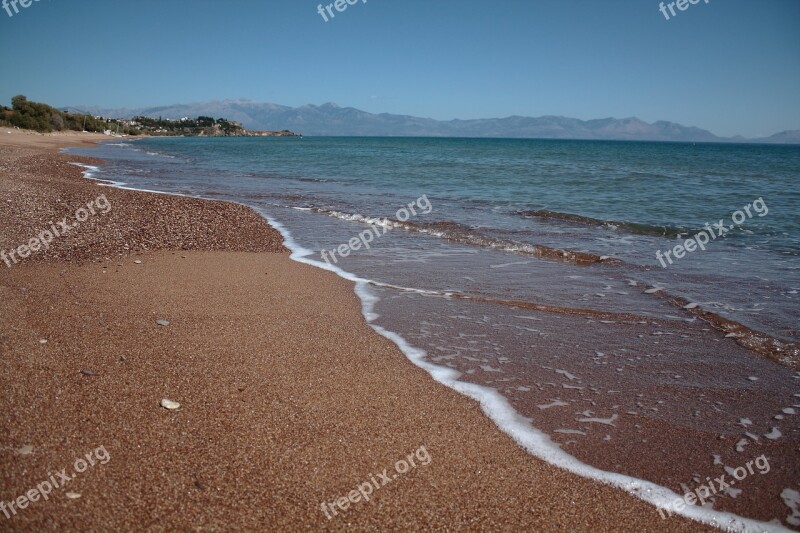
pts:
pixel 497 408
pixel 90 169
pixel 89 175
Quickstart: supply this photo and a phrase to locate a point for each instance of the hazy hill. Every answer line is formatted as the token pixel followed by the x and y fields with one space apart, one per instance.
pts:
pixel 330 119
pixel 784 137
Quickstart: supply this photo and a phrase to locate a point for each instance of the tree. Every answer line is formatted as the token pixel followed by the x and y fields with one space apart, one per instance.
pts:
pixel 19 102
pixel 57 121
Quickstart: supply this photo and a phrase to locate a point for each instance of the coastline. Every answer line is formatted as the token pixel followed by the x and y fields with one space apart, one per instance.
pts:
pixel 288 398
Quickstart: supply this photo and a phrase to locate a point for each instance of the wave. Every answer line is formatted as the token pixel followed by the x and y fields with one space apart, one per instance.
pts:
pixel 463 234
pixel 783 352
pixel 631 227
pixel 274 176
pixel 160 154
pixel 786 353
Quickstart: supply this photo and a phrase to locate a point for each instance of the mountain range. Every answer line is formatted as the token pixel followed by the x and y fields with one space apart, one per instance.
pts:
pixel 331 119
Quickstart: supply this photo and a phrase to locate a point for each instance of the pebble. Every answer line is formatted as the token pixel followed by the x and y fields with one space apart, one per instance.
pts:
pixel 652 291
pixel 25 450
pixel 73 495
pixel 87 372
pixel 690 306
pixel 42 341
pixel 169 404
pixel 137 262
pixel 162 322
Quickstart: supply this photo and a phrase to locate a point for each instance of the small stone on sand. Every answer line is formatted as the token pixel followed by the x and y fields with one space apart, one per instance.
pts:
pixel 169 404
pixel 690 306
pixel 137 262
pixel 162 322
pixel 73 495
pixel 87 372
pixel 25 450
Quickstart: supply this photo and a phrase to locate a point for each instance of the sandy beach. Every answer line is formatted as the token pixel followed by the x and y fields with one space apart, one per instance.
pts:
pixel 289 401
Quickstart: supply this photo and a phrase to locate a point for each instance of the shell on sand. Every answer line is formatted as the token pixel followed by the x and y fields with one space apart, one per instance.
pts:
pixel 25 450
pixel 169 404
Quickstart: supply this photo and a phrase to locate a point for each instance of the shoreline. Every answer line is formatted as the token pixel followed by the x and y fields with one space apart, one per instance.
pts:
pixel 541 495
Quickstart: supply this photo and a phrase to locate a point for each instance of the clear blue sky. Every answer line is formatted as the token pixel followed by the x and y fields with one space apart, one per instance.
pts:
pixel 731 66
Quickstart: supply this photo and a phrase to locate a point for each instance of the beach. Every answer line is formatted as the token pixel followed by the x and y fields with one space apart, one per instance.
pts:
pixel 288 399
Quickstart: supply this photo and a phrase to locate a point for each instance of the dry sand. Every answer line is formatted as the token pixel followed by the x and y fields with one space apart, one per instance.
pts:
pixel 288 399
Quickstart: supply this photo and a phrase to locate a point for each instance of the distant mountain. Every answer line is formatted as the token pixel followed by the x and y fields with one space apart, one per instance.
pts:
pixel 330 119
pixel 784 137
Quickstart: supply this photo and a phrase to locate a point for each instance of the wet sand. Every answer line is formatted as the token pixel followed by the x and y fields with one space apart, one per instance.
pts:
pixel 288 399
pixel 667 401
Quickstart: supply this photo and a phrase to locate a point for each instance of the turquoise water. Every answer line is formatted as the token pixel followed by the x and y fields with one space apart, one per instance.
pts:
pixel 655 184
pixel 531 275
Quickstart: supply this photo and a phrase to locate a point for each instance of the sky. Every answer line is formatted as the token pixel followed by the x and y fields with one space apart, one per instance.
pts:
pixel 729 66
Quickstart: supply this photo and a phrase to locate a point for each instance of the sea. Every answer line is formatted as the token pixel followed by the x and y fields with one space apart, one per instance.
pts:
pixel 552 281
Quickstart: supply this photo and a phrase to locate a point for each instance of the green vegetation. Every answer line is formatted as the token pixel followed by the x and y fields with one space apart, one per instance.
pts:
pixel 44 118
pixel 40 117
